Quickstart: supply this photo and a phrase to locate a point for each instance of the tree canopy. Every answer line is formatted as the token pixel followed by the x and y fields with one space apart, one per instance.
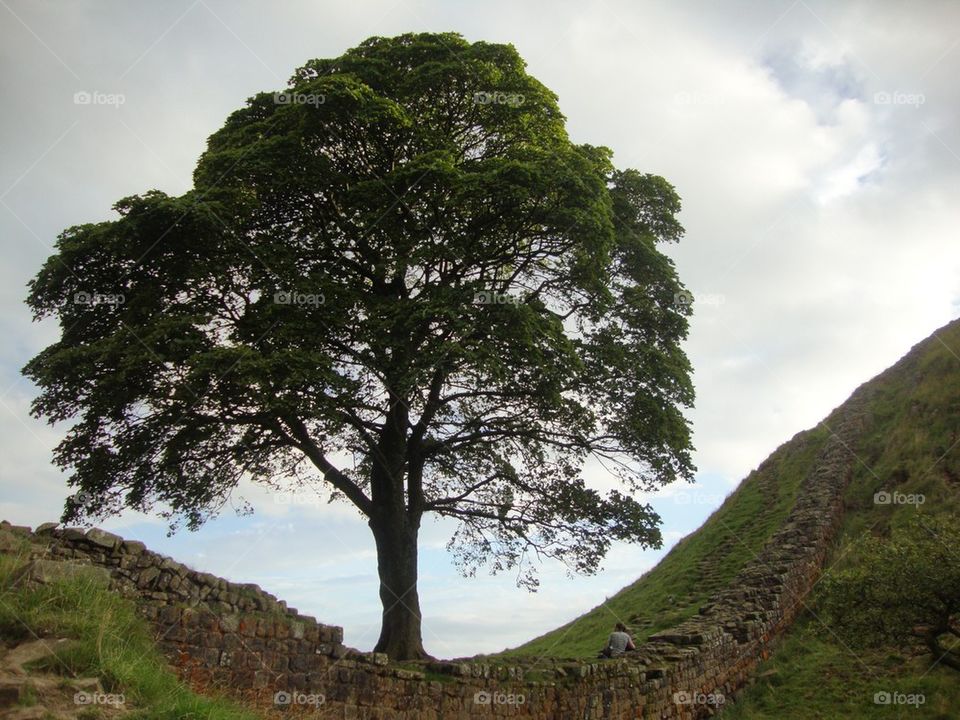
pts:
pixel 399 275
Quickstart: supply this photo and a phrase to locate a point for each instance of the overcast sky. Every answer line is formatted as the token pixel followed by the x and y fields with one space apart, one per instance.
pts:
pixel 816 146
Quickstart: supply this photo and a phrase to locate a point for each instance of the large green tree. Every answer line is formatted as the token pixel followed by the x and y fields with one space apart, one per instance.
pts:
pixel 402 275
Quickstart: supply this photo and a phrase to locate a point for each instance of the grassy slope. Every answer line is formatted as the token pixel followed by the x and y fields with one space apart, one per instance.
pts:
pixel 112 643
pixel 909 447
pixel 704 561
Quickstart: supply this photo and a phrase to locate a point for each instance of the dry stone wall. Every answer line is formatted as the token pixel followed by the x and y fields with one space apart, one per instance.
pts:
pixel 240 637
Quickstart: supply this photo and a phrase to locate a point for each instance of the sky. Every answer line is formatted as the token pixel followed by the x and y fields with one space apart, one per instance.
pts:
pixel 815 145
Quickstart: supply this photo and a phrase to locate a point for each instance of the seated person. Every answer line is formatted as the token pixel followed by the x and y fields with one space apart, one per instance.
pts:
pixel 619 642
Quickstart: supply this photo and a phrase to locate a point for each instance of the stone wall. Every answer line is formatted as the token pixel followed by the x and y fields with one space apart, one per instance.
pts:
pixel 240 637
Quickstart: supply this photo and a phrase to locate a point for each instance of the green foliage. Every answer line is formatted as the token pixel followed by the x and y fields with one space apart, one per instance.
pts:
pixel 901 589
pixel 110 642
pixel 405 260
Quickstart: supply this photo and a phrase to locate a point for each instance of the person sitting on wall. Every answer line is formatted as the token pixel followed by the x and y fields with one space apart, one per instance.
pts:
pixel 618 642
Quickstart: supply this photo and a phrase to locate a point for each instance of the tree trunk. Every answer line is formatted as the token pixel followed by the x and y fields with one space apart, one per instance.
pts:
pixel 396 539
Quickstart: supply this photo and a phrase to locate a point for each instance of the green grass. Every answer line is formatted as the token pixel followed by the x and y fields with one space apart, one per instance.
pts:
pixel 110 642
pixel 432 676
pixel 911 446
pixel 700 564
pixel 811 676
pixel 28 697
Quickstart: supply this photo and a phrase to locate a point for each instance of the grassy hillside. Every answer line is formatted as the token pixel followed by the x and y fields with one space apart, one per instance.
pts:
pixel 912 446
pixel 701 563
pixel 107 640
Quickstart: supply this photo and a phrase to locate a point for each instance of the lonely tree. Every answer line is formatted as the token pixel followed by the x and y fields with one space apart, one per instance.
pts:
pixel 402 276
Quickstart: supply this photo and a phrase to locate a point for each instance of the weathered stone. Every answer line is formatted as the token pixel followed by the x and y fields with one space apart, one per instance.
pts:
pixel 132 547
pixel 148 577
pixel 9 542
pixel 378 658
pixel 102 538
pixel 229 623
pixel 248 626
pixel 409 675
pixel 169 615
pixel 32 651
pixel 73 534
pixel 17 529
pixel 175 634
pixel 262 678
pixel 210 656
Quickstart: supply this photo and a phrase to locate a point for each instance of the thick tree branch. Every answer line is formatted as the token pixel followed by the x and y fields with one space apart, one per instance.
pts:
pixel 330 473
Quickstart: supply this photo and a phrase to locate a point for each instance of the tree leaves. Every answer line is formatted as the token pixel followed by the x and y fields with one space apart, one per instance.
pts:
pixel 400 258
pixel 900 589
